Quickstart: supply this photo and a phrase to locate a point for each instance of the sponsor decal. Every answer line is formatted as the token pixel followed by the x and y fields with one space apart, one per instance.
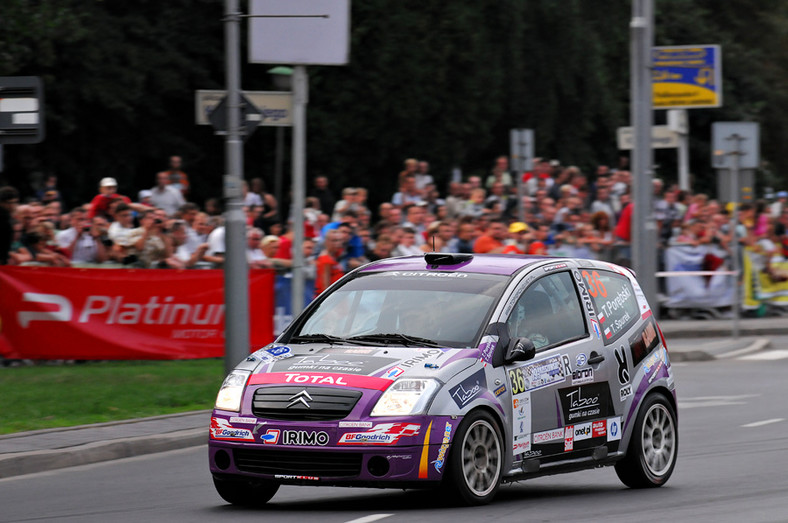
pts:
pixel 500 390
pixel 471 387
pixel 623 367
pixel 540 374
pixel 302 478
pixel 354 424
pixel 238 419
pixel 335 363
pixel 597 330
pixel 598 429
pixel 221 429
pixel 305 438
pixel 614 429
pixel 645 311
pixel 581 359
pixel 342 350
pixel 555 267
pixel 569 438
pixel 430 274
pixel 617 307
pixel 589 306
pixel 581 376
pixel 423 355
pixel 400 456
pixel 393 373
pixel 548 436
pixel 645 341
pixel 585 402
pixel 444 447
pixel 625 392
pixel 582 431
pixel 380 434
pixel 314 378
pixel 487 347
pixel 532 454
pixel 521 446
pixel 424 461
pixel 521 415
pixel 271 436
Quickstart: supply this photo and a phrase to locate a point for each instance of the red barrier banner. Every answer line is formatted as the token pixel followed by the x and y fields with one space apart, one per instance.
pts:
pixel 123 314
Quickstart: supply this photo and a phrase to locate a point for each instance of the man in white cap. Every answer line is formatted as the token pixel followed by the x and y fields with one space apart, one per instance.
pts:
pixel 99 206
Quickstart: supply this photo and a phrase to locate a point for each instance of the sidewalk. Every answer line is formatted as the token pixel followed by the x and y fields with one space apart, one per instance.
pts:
pixel 41 450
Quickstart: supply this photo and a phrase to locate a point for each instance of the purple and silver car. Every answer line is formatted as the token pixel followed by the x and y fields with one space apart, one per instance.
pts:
pixel 453 370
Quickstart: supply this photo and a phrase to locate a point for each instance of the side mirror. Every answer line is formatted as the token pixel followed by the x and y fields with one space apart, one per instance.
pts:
pixel 520 349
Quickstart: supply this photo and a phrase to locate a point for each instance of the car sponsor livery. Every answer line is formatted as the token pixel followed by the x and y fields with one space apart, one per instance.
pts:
pixel 461 369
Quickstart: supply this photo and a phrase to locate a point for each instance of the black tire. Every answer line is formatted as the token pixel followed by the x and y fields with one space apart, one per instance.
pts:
pixel 654 445
pixel 475 465
pixel 245 493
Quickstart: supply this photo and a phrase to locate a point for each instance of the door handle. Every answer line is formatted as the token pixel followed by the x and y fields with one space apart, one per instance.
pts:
pixel 595 358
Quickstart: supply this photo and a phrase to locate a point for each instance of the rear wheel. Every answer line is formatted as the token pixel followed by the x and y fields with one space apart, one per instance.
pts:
pixel 245 493
pixel 653 448
pixel 475 460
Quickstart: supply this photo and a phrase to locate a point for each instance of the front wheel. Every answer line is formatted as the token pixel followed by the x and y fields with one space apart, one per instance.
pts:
pixel 654 446
pixel 245 493
pixel 476 460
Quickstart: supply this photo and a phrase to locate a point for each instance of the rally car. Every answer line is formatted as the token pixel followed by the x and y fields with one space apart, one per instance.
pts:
pixel 455 371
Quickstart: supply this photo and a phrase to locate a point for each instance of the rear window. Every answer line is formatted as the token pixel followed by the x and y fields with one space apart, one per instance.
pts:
pixel 614 300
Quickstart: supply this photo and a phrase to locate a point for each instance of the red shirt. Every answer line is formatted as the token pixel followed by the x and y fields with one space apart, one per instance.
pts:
pixel 327 262
pixel 623 228
pixel 486 244
pixel 100 204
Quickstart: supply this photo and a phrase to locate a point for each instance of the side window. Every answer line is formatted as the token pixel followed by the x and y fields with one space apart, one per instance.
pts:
pixel 614 300
pixel 548 312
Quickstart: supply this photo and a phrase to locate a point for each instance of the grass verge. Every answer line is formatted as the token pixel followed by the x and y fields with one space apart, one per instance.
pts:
pixel 49 396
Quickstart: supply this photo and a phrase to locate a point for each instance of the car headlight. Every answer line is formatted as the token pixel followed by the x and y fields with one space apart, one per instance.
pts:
pixel 229 397
pixel 406 397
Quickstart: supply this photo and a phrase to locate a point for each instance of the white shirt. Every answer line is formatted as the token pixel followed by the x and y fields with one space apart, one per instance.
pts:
pixel 120 235
pixel 216 241
pixel 169 199
pixel 85 250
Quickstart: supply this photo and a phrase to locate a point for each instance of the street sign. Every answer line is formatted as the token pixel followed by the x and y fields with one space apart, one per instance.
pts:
pixel 662 137
pixel 299 32
pixel 21 110
pixel 729 139
pixel 688 76
pixel 276 106
pixel 521 149
pixel 250 116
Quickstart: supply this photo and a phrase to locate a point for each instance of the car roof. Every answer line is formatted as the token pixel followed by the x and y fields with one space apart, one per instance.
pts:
pixel 503 264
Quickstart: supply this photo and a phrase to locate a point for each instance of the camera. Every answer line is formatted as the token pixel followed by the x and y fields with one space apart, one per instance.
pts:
pixel 158 221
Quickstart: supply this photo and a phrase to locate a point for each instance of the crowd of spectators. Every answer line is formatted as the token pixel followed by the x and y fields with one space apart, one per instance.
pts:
pixel 565 213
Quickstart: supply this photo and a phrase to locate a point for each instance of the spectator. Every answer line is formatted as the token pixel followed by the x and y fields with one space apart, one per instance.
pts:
pixel 408 193
pixel 39 247
pixel 254 253
pixel 9 200
pixel 86 240
pixel 415 219
pixel 107 193
pixel 422 175
pixel 500 173
pixel 347 203
pixel 120 234
pixel 518 239
pixel 407 244
pixel 323 194
pixel 177 178
pixel 491 241
pixel 383 248
pixel 150 243
pixel 165 196
pixel 328 267
pixel 182 257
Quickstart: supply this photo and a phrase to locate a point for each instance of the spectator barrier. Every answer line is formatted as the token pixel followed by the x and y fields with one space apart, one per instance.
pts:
pixel 697 278
pixel 761 288
pixel 123 314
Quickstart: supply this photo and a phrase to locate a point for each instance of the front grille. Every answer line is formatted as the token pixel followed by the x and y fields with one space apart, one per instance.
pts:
pixel 298 462
pixel 325 404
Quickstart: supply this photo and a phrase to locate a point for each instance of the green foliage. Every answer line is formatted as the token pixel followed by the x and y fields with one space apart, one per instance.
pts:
pixel 444 81
pixel 62 396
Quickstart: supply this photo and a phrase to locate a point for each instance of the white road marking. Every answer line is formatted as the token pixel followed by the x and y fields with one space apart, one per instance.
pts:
pixel 762 423
pixel 714 401
pixel 767 355
pixel 370 518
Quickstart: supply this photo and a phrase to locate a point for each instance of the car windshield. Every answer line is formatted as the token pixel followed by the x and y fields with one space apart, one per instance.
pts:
pixel 425 308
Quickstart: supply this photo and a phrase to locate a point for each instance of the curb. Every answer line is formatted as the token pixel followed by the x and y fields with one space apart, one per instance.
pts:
pixel 43 460
pixel 756 346
pixel 700 355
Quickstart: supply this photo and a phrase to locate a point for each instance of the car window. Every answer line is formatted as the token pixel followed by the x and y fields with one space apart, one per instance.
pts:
pixel 548 312
pixel 614 300
pixel 448 308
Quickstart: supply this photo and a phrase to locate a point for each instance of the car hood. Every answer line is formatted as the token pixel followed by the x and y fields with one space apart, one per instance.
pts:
pixel 324 365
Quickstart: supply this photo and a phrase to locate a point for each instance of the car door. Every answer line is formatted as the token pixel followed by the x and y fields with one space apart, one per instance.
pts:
pixel 561 397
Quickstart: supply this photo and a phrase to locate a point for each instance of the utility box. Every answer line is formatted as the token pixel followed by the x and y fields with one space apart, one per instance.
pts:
pixel 21 110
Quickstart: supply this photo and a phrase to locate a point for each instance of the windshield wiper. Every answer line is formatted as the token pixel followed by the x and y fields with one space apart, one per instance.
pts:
pixel 331 340
pixel 327 338
pixel 397 338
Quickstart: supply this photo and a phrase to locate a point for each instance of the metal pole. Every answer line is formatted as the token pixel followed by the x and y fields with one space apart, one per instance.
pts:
pixel 280 153
pixel 643 225
pixel 300 99
pixel 684 181
pixel 236 278
pixel 736 153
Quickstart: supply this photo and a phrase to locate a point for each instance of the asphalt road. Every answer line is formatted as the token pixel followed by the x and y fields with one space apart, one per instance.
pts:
pixel 733 454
